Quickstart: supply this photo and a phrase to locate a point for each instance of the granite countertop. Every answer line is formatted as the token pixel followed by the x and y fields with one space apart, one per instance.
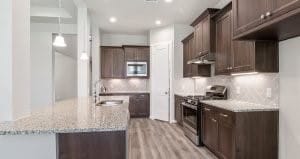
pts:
pixel 71 116
pixel 124 92
pixel 239 106
pixel 188 94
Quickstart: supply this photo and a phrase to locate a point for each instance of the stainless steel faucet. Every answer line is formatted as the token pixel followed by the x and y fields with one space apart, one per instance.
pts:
pixel 103 89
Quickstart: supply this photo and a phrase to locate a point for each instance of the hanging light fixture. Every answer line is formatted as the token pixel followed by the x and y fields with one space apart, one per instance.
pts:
pixel 84 55
pixel 59 40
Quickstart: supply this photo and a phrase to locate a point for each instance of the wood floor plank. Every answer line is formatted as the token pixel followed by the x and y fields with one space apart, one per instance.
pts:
pixel 151 139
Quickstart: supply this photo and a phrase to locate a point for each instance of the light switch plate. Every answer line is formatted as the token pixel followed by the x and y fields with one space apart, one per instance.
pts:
pixel 269 92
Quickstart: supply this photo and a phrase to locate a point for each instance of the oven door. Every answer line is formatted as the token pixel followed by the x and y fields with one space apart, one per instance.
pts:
pixel 137 69
pixel 190 117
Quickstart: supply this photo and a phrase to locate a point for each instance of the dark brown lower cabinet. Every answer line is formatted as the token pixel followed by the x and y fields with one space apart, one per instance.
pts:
pixel 96 145
pixel 240 135
pixel 225 138
pixel 178 109
pixel 139 103
pixel 210 129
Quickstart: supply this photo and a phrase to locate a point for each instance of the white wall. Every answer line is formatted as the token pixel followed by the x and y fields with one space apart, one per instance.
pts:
pixel 15 59
pixel 163 34
pixel 83 67
pixel 53 28
pixel 289 57
pixel 5 61
pixel 222 3
pixel 95 53
pixel 41 70
pixel 28 146
pixel 123 39
pixel 65 77
pixel 174 34
pixel 42 62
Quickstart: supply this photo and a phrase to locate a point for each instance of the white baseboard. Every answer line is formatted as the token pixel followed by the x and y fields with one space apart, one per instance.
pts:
pixel 173 121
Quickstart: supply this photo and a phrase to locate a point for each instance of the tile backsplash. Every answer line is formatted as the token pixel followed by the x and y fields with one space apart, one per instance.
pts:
pixel 259 88
pixel 125 85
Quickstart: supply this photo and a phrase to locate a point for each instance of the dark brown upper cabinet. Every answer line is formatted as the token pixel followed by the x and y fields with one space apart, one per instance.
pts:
pixel 204 33
pixel 188 52
pixel 266 19
pixel 137 53
pixel 223 44
pixel 241 56
pixel 192 70
pixel 112 62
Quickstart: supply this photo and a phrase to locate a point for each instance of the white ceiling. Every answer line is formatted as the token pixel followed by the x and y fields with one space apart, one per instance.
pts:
pixel 138 16
pixel 68 5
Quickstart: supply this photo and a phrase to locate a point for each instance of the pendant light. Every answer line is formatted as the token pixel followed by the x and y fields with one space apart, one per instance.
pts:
pixel 59 39
pixel 84 55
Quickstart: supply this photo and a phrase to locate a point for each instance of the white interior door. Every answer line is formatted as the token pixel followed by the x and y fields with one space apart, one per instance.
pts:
pixel 160 82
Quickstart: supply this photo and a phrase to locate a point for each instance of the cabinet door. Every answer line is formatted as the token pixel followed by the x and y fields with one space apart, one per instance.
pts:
pixel 106 63
pixel 226 140
pixel 133 110
pixel 223 44
pixel 243 53
pixel 247 13
pixel 139 105
pixel 210 129
pixel 143 105
pixel 198 39
pixel 178 109
pixel 118 63
pixel 143 54
pixel 130 53
pixel 206 35
pixel 281 7
pixel 186 58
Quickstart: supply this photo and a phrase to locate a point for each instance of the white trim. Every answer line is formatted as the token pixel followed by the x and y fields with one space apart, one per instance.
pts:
pixel 173 121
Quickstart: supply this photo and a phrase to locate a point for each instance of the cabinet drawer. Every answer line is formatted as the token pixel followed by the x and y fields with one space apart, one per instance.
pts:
pixel 209 111
pixel 226 117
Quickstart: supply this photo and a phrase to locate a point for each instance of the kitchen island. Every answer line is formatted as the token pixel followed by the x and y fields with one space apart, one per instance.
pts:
pixel 75 128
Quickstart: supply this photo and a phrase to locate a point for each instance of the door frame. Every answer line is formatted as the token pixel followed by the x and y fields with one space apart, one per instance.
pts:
pixel 170 68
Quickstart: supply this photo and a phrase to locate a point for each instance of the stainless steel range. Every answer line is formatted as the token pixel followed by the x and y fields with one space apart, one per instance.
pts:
pixel 191 111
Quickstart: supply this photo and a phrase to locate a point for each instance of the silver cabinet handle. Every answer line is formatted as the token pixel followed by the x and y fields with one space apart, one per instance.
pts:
pixel 262 16
pixel 214 120
pixel 268 14
pixel 224 115
pixel 206 109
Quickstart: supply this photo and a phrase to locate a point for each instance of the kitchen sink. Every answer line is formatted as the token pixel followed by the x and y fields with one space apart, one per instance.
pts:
pixel 107 103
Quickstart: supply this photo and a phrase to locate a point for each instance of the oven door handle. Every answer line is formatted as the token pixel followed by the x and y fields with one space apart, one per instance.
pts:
pixel 189 106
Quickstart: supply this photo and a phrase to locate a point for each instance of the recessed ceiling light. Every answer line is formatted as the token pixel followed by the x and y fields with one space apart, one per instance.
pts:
pixel 169 1
pixel 158 22
pixel 113 19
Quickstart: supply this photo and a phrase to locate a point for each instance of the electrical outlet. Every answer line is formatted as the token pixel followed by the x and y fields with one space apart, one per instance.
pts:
pixel 238 90
pixel 269 92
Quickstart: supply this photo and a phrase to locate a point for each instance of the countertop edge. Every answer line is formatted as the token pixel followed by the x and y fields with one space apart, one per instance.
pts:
pixel 262 109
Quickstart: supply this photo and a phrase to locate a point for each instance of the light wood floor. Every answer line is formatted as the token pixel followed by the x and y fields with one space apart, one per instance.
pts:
pixel 151 139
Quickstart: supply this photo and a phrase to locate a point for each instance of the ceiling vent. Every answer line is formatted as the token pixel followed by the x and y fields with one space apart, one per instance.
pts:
pixel 151 1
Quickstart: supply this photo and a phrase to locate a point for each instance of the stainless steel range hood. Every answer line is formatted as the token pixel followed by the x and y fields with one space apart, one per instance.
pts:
pixel 204 58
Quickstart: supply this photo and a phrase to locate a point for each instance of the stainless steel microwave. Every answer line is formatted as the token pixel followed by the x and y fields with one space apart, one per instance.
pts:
pixel 137 69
